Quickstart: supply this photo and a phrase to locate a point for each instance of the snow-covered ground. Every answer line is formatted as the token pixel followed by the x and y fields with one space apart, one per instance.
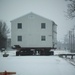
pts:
pixel 56 52
pixel 36 65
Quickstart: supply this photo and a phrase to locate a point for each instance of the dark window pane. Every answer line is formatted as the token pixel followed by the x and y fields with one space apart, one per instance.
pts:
pixel 43 25
pixel 43 38
pixel 19 25
pixel 19 38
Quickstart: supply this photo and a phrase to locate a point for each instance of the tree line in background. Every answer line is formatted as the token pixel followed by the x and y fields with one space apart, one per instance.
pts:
pixel 69 40
pixel 3 34
pixel 71 8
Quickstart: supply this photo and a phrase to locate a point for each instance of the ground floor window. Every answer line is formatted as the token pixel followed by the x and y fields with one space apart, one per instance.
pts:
pixel 19 38
pixel 43 38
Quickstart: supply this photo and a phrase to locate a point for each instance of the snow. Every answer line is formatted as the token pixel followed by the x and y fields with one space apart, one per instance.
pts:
pixel 36 65
pixel 56 52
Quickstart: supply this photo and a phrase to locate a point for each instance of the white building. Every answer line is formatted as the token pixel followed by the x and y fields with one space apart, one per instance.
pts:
pixel 32 30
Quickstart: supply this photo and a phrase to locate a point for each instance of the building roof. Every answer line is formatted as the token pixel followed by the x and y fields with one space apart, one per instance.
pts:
pixel 32 14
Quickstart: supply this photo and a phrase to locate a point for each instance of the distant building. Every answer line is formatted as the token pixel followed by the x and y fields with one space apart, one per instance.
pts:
pixel 32 30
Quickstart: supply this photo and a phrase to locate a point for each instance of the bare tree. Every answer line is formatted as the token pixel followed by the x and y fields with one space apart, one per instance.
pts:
pixel 71 8
pixel 3 34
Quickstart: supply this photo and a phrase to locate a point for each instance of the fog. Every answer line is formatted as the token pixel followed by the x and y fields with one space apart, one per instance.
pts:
pixel 51 9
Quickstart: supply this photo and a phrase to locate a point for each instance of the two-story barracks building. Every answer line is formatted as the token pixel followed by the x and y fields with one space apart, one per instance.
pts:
pixel 33 31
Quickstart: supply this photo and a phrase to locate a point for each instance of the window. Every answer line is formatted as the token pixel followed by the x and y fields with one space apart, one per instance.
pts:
pixel 19 38
pixel 19 25
pixel 43 25
pixel 43 38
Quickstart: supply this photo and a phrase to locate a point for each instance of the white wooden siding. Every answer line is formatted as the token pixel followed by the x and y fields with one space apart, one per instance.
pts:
pixel 31 31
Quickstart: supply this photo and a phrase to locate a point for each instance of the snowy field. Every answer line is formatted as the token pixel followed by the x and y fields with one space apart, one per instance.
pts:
pixel 36 65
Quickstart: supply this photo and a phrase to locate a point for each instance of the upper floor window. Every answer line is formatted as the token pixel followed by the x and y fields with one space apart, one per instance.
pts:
pixel 43 25
pixel 19 38
pixel 43 38
pixel 19 25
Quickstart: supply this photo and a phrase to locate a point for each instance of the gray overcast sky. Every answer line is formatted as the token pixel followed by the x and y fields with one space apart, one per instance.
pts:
pixel 51 9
